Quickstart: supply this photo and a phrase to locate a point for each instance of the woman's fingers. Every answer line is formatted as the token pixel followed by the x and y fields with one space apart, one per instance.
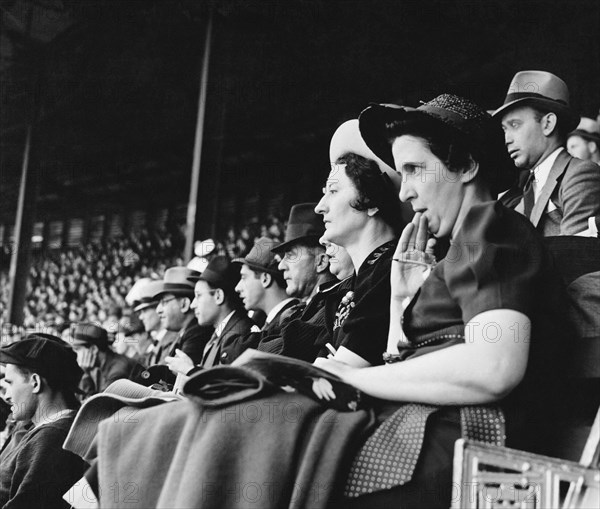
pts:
pixel 430 247
pixel 421 233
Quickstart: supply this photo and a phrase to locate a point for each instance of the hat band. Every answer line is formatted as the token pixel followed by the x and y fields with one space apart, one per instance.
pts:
pixel 531 95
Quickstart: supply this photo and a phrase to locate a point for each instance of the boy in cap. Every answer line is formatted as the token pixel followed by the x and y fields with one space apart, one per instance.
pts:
pixel 216 304
pixel 560 193
pixel 41 379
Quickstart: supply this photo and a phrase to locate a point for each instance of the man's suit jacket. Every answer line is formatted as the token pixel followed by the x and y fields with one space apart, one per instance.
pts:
pixel 573 186
pixel 240 344
pixel 239 325
pixel 305 333
pixel 192 340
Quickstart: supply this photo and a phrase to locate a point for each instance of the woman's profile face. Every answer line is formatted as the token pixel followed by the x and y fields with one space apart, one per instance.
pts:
pixel 343 223
pixel 427 184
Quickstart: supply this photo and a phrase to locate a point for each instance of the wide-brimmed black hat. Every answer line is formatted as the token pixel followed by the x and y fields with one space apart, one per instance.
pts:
pixel 304 225
pixel 47 355
pixel 220 273
pixel 543 89
pixel 462 119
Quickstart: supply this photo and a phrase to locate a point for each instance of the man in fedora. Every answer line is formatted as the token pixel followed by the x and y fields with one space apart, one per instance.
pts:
pixel 100 364
pixel 216 304
pixel 41 377
pixel 584 142
pixel 144 304
pixel 175 295
pixel 302 259
pixel 560 192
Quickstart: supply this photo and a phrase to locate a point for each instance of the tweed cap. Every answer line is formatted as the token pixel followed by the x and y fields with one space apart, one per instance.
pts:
pixel 459 118
pixel 47 355
pixel 304 225
pixel 261 257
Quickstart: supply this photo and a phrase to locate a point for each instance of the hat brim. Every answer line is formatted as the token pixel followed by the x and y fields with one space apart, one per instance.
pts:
pixel 373 122
pixel 563 111
pixel 256 266
pixel 145 305
pixel 372 125
pixel 284 246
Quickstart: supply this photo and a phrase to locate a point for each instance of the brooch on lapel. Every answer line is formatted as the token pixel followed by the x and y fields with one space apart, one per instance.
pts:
pixel 343 310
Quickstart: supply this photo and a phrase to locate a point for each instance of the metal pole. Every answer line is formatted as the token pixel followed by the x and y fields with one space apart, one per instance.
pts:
pixel 19 263
pixel 195 180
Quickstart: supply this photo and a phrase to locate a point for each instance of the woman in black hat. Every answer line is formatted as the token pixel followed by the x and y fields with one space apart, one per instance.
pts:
pixel 473 337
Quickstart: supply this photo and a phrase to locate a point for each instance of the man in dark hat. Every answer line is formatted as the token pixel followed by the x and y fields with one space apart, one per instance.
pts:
pixel 216 304
pixel 303 261
pixel 41 379
pixel 560 193
pixel 175 295
pixel 100 364
pixel 584 142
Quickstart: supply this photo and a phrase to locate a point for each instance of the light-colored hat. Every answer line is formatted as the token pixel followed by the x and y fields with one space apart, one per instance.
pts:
pixel 543 89
pixel 347 139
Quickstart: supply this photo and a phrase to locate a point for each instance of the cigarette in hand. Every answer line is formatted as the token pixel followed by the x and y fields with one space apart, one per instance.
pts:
pixel 330 347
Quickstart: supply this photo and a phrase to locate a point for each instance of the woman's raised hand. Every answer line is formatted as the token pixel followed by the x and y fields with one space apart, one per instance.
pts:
pixel 413 259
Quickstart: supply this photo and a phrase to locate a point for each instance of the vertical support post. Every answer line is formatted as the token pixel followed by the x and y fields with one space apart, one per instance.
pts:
pixel 195 178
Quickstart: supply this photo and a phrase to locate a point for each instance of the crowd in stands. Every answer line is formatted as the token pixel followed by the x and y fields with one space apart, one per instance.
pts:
pixel 444 286
pixel 89 282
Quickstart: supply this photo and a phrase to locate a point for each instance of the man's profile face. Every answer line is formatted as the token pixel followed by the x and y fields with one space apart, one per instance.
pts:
pixel 149 317
pixel 170 312
pixel 204 305
pixel 250 288
pixel 524 138
pixel 19 393
pixel 299 267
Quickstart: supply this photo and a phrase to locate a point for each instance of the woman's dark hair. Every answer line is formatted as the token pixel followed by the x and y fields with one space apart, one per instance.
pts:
pixel 443 142
pixel 375 189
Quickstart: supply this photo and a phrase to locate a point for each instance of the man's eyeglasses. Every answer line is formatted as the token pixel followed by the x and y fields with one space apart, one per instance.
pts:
pixel 165 301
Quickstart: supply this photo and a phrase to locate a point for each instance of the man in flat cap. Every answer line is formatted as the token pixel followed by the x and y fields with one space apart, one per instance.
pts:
pixel 561 193
pixel 101 365
pixel 217 304
pixel 175 295
pixel 41 379
pixel 261 287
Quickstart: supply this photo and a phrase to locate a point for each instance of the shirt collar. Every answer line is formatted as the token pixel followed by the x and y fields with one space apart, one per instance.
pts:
pixel 278 307
pixel 542 170
pixel 221 327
